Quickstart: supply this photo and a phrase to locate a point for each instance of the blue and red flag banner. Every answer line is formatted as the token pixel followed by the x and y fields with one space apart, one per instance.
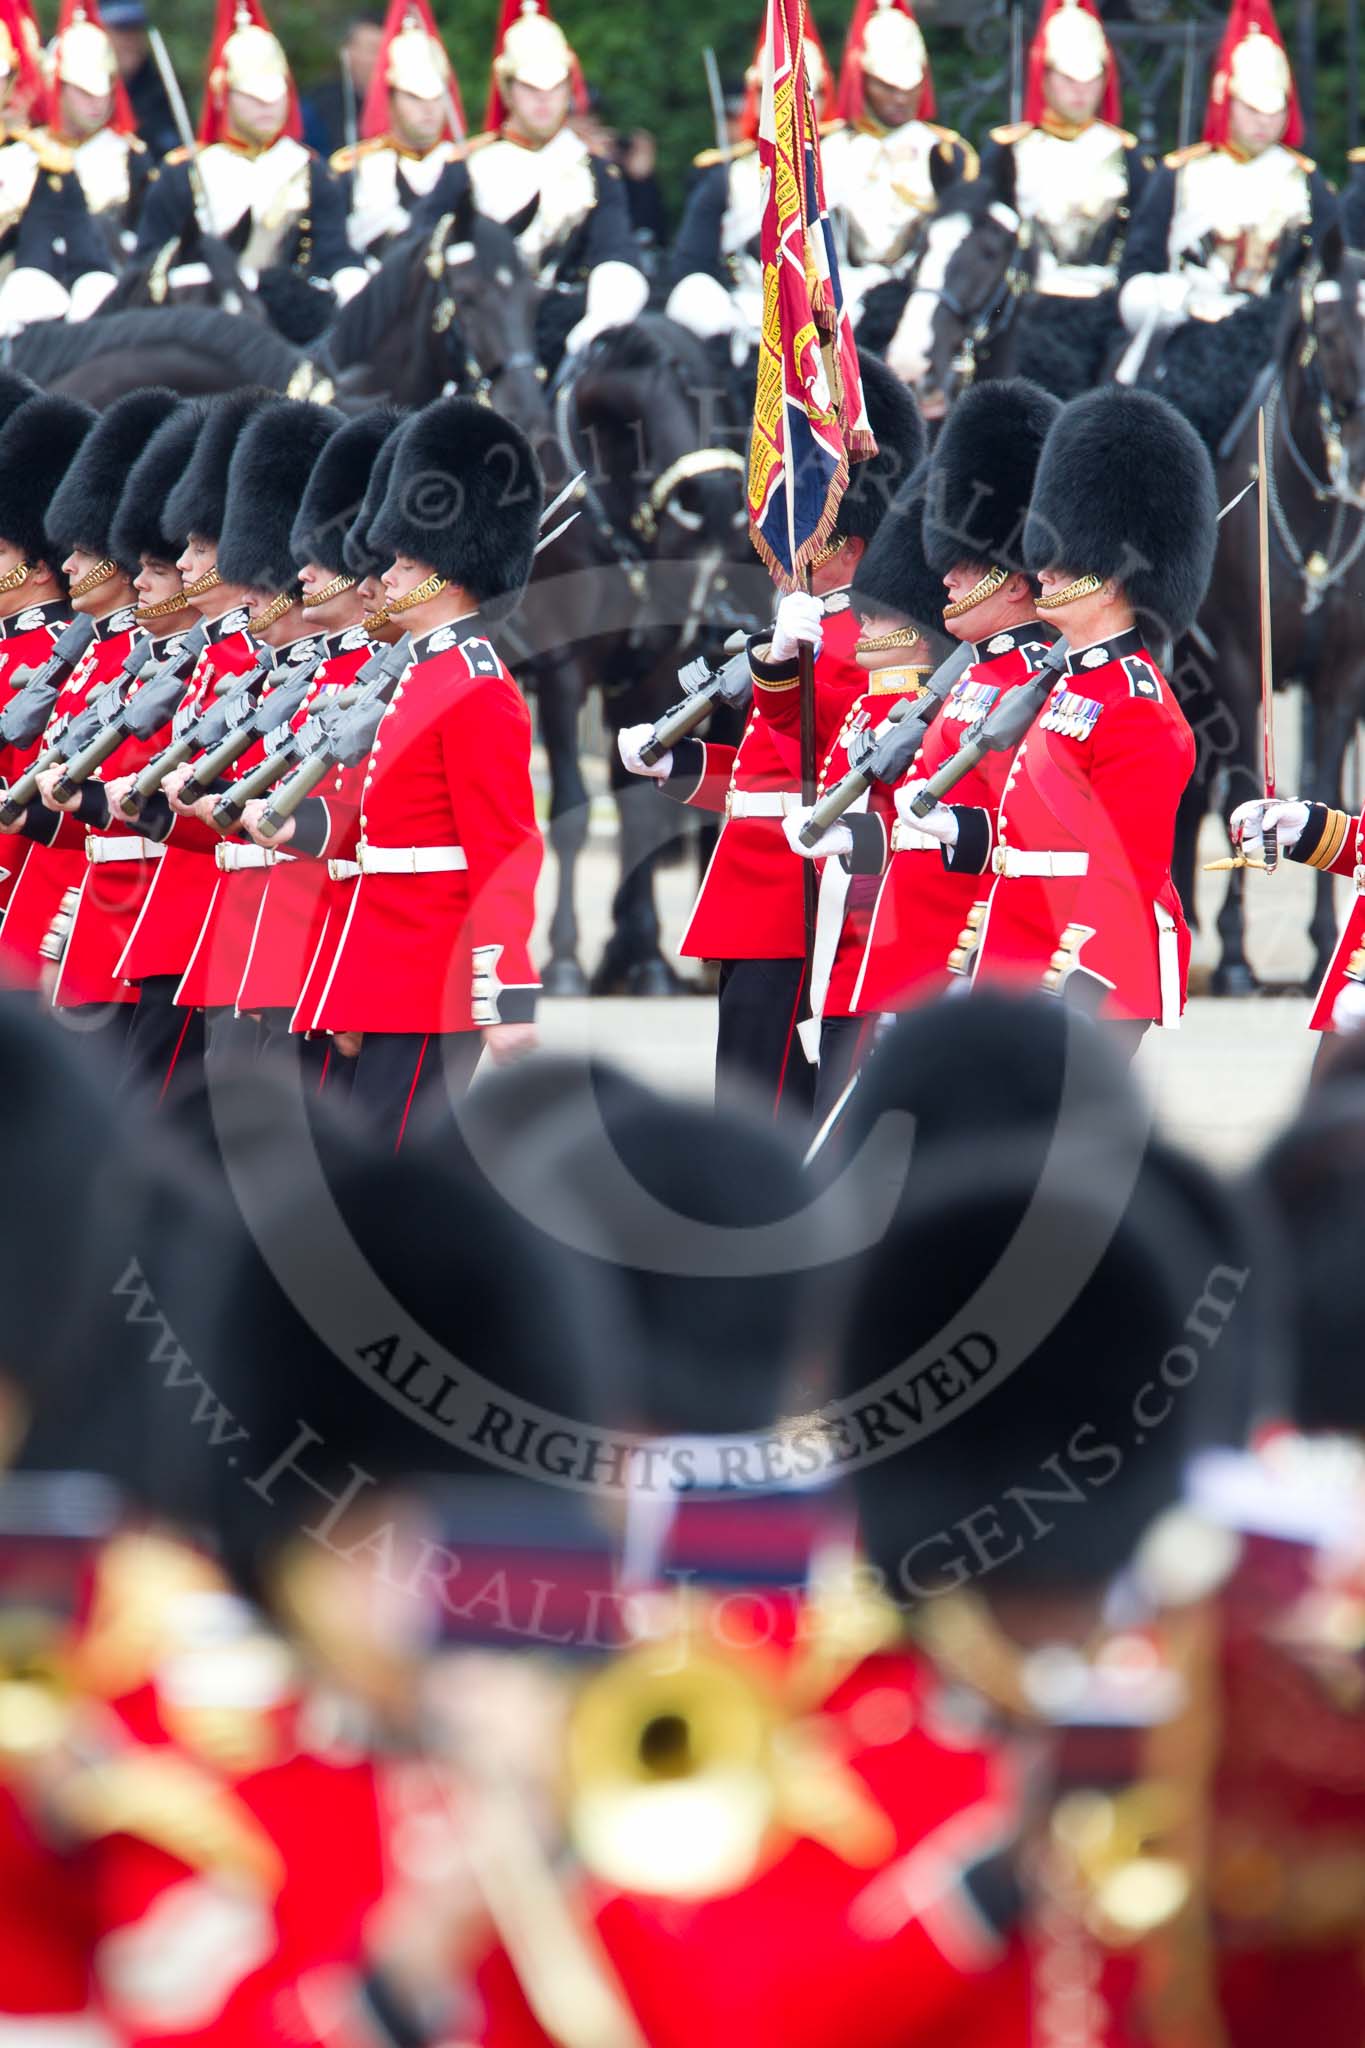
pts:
pixel 810 417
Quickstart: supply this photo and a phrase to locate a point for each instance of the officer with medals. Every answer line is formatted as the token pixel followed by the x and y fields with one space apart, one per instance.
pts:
pixel 566 207
pixel 1121 534
pixel 718 288
pixel 251 181
pixel 1076 175
pixel 70 189
pixel 1333 842
pixel 1216 219
pixel 407 136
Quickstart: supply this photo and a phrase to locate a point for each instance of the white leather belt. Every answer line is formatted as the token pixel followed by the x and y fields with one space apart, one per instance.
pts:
pixel 232 859
pixel 121 846
pixel 910 839
pixel 761 803
pixel 409 860
pixel 343 870
pixel 1008 860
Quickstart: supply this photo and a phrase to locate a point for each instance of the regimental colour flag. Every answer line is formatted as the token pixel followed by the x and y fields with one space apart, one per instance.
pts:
pixel 810 418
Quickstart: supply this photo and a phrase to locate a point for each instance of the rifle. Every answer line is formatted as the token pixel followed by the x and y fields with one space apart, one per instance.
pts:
pixel 29 709
pixel 140 713
pixel 275 708
pixel 79 731
pixel 227 812
pixel 344 736
pixel 884 754
pixel 205 729
pixel 999 732
pixel 705 687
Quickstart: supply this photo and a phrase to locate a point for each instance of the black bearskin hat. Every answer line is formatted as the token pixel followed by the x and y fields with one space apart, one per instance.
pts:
pixel 981 475
pixel 336 491
pixel 895 420
pixel 139 526
pixel 464 494
pixel 360 558
pixel 83 510
pixel 893 576
pixel 198 503
pixel 38 445
pixel 1126 490
pixel 271 466
pixel 1027 1274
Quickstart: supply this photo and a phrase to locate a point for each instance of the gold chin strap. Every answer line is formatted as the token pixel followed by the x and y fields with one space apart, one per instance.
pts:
pixel 276 609
pixel 904 636
pixel 101 573
pixel 827 553
pixel 165 608
pixel 979 592
pixel 374 620
pixel 14 579
pixel 892 682
pixel 335 588
pixel 207 582
pixel 432 587
pixel 1084 586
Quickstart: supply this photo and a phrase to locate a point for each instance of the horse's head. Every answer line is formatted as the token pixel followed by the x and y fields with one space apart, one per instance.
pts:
pixel 487 302
pixel 1333 356
pixel 974 261
pixel 648 420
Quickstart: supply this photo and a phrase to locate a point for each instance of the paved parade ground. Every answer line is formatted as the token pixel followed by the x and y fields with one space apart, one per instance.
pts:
pixel 1222 1083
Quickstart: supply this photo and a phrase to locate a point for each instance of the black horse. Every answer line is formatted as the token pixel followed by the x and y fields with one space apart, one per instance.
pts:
pixel 196 350
pixel 1313 392
pixel 969 308
pixel 656 568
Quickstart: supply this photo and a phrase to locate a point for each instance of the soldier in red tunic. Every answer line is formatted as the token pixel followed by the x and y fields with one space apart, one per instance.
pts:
pixel 48 895
pixel 1121 534
pixel 162 939
pixel 971 513
pixel 271 464
pixel 37 443
pixel 435 959
pixel 294 908
pixel 749 913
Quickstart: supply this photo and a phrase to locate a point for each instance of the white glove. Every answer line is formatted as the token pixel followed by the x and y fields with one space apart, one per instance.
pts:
pixel 800 617
pixel 629 741
pixel 1348 1011
pixel 1286 817
pixel 835 839
pixel 941 822
pixel 1158 296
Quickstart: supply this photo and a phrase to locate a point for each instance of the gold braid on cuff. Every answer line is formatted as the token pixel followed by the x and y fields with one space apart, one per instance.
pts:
pixel 1336 826
pixel 979 592
pixel 101 573
pixel 335 588
pixel 431 587
pixel 1084 586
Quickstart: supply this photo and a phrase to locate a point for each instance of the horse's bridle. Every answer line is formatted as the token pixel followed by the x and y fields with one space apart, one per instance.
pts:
pixel 980 326
pixel 1319 572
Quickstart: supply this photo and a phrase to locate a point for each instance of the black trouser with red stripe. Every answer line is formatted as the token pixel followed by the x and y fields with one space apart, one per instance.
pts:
pixel 165 1044
pixel 758 1054
pixel 405 1080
